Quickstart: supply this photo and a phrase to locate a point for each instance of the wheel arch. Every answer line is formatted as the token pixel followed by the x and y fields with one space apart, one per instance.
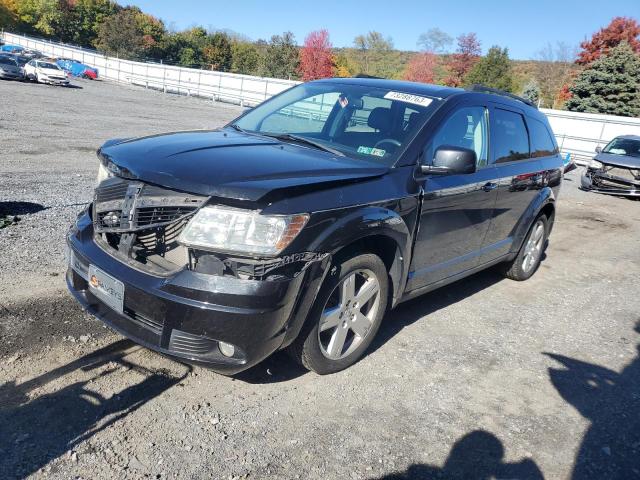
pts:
pixel 543 203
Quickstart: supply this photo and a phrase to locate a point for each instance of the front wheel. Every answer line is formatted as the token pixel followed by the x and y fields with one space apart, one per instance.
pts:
pixel 528 259
pixel 345 317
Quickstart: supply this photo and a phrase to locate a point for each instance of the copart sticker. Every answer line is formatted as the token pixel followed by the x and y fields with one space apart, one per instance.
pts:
pixel 409 98
pixel 378 152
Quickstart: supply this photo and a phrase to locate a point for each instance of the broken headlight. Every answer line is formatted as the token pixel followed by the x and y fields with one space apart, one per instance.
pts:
pixel 241 231
pixel 103 173
pixel 595 164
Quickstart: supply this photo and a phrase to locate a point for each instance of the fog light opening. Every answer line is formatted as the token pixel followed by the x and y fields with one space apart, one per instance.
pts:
pixel 226 349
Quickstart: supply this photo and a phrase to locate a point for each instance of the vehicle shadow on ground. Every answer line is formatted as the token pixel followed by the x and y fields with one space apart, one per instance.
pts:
pixel 478 455
pixel 38 428
pixel 413 310
pixel 611 402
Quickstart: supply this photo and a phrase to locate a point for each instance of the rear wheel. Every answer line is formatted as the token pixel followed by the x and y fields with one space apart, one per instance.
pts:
pixel 528 259
pixel 345 317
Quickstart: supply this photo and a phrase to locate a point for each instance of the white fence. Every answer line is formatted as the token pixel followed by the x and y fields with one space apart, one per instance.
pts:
pixel 229 87
pixel 580 133
pixel 577 133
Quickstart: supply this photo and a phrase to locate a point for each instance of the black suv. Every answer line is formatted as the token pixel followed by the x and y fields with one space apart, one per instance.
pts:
pixel 299 224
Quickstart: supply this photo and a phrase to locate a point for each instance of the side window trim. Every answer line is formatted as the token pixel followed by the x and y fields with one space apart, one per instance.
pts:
pixel 498 106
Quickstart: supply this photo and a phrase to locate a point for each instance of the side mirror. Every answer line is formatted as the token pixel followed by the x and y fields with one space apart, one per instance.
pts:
pixel 451 160
pixel 598 149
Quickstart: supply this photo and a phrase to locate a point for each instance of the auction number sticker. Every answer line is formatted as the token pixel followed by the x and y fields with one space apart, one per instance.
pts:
pixel 409 98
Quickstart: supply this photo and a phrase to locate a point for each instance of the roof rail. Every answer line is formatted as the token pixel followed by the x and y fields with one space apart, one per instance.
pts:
pixel 482 89
pixel 364 75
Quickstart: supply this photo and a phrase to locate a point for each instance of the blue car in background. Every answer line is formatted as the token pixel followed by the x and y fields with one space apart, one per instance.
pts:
pixel 15 49
pixel 77 69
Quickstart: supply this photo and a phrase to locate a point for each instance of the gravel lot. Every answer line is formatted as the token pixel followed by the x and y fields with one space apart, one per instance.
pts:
pixel 487 378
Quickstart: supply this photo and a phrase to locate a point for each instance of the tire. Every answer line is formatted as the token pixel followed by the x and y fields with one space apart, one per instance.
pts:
pixel 528 259
pixel 345 317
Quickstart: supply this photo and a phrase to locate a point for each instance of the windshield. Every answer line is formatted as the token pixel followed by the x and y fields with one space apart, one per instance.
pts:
pixel 623 146
pixel 7 61
pixel 51 66
pixel 354 120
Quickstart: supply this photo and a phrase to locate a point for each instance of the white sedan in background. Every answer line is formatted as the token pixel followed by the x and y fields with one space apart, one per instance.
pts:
pixel 44 71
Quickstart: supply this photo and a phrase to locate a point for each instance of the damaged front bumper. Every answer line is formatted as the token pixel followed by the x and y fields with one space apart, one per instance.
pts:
pixel 186 314
pixel 597 181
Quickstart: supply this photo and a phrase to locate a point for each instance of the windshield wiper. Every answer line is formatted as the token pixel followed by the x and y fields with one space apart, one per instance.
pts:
pixel 237 128
pixel 288 137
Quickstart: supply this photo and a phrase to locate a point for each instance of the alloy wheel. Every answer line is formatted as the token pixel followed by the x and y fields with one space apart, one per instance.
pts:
pixel 349 314
pixel 533 248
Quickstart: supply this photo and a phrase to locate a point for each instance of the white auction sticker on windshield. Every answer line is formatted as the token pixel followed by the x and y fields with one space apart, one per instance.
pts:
pixel 409 98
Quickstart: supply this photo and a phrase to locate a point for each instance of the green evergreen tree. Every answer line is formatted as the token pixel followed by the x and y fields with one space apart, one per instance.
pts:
pixel 610 85
pixel 531 92
pixel 493 71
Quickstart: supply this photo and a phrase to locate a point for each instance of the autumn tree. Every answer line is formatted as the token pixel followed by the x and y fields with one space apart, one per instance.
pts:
pixel 8 14
pixel 421 68
pixel 216 53
pixel 621 29
pixel 609 85
pixel 461 62
pixel 316 59
pixel 493 71
pixel 344 65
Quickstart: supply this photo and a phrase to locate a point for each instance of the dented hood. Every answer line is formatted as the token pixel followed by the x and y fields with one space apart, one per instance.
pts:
pixel 233 164
pixel 618 160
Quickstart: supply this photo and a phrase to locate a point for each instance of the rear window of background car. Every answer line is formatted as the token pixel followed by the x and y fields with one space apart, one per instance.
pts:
pixel 510 134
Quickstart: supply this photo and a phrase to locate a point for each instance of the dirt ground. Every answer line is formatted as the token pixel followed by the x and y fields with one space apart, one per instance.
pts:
pixel 486 378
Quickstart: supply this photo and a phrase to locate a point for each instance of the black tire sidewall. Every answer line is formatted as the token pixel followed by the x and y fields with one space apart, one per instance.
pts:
pixel 311 353
pixel 520 274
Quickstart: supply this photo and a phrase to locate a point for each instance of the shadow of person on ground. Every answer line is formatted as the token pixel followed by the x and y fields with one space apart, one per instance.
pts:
pixel 35 429
pixel 479 455
pixel 611 401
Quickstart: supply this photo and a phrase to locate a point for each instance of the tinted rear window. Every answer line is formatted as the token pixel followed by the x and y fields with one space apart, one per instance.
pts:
pixel 7 61
pixel 542 145
pixel 511 141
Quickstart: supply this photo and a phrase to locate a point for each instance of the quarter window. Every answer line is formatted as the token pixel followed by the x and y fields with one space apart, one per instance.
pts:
pixel 466 128
pixel 542 145
pixel 510 135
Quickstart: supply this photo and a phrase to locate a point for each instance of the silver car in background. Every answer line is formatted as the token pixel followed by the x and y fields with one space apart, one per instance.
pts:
pixel 10 69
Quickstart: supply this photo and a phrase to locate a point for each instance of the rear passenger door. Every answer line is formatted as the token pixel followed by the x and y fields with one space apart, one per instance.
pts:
pixel 519 177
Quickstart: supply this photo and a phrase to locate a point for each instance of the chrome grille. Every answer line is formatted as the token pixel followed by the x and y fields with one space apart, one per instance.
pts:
pixel 127 206
pixel 623 174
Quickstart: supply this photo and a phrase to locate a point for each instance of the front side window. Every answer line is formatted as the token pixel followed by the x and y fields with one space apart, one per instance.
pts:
pixel 542 145
pixel 623 146
pixel 511 141
pixel 359 121
pixel 466 128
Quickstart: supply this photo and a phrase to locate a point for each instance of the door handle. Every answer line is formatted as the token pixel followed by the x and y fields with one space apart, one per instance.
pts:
pixel 487 187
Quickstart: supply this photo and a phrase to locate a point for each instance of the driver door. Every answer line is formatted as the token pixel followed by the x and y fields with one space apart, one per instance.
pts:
pixel 457 209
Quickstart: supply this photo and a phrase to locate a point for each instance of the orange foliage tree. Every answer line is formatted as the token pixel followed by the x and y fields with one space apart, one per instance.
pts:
pixel 316 59
pixel 421 68
pixel 620 29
